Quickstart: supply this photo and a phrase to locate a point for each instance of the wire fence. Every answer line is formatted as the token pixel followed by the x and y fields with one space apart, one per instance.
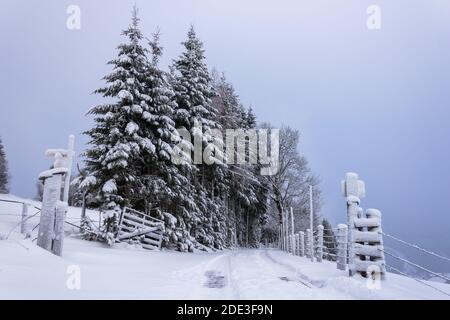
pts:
pixel 23 219
pixel 418 280
pixel 417 247
pixel 417 266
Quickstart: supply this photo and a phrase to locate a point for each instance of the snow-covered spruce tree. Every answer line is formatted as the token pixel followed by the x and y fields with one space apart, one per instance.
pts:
pixel 162 185
pixel 330 242
pixel 193 92
pixel 4 177
pixel 227 104
pixel 246 199
pixel 193 86
pixel 118 137
pixel 250 118
pixel 257 210
pixel 39 191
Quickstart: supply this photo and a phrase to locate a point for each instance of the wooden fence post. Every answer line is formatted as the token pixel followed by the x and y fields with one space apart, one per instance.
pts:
pixel 50 199
pixel 353 190
pixel 286 222
pixel 53 212
pixel 302 244
pixel 283 224
pixel 311 223
pixel 342 246
pixel 319 243
pixel 289 243
pixel 23 224
pixel 292 232
pixel 297 244
pixel 60 218
pixel 68 158
pixel 280 237
pixel 309 243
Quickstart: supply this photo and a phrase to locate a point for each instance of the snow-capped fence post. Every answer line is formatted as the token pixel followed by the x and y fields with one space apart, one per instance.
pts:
pixel 280 237
pixel 68 163
pixel 60 218
pixel 294 247
pixel 282 231
pixel 311 223
pixel 292 232
pixel 297 244
pixel 23 224
pixel 309 239
pixel 353 190
pixel 286 224
pixel 319 243
pixel 286 232
pixel 342 242
pixel 50 199
pixel 291 248
pixel 302 244
pixel 51 224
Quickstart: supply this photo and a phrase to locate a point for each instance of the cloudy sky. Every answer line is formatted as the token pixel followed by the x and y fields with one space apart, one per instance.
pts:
pixel 371 101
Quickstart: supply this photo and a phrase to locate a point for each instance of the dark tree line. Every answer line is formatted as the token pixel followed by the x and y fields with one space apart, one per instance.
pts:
pixel 4 176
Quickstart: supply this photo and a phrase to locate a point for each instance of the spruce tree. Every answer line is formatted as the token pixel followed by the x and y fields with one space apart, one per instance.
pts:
pixel 4 177
pixel 193 86
pixel 195 112
pixel 330 243
pixel 246 196
pixel 162 183
pixel 250 118
pixel 117 137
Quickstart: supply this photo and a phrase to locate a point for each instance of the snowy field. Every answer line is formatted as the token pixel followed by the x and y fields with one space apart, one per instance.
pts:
pixel 125 272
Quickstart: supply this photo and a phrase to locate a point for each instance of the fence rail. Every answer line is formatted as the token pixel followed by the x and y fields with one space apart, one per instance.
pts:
pixel 417 247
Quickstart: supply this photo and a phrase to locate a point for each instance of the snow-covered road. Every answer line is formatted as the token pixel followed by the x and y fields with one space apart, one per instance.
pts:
pixel 257 274
pixel 28 272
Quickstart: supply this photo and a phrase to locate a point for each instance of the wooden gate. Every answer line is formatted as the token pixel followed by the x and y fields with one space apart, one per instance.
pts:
pixel 137 225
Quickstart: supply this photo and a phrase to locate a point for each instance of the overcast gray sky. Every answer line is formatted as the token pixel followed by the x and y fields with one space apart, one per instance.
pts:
pixel 373 102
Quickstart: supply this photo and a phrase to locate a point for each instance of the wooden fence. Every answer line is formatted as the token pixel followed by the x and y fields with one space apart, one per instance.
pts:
pixel 136 225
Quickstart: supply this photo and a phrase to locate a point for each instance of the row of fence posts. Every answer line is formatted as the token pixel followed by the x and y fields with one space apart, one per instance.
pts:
pixel 302 244
pixel 359 242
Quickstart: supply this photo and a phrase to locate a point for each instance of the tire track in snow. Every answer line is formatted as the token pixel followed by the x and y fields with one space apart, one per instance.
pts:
pixel 209 275
pixel 231 282
pixel 301 277
pixel 257 277
pixel 248 273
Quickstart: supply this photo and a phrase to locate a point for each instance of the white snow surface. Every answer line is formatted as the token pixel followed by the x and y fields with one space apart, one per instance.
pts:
pixel 128 272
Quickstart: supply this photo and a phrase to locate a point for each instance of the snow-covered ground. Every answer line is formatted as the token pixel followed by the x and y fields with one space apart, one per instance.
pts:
pixel 124 272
